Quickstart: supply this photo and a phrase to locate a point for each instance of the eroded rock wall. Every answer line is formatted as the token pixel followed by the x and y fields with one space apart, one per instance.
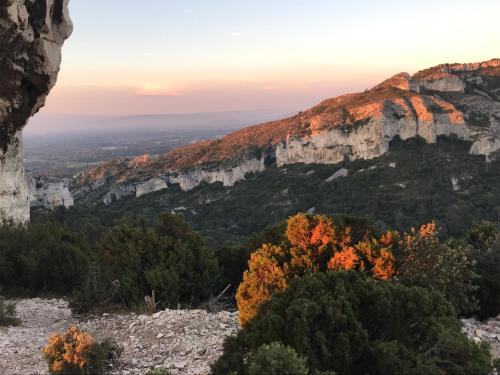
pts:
pixel 228 176
pixel 14 191
pixel 32 33
pixel 366 142
pixel 49 193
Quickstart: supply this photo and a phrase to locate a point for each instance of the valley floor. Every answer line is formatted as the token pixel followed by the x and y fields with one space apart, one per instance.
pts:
pixel 183 341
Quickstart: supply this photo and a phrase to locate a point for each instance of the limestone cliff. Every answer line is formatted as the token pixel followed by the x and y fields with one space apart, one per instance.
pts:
pixel 49 193
pixel 32 33
pixel 451 99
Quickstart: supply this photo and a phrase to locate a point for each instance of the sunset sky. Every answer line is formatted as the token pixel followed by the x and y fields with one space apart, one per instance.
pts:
pixel 162 56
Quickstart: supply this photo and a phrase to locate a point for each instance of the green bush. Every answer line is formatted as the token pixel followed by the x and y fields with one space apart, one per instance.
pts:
pixel 103 354
pixel 8 314
pixel 234 259
pixel 170 259
pixel 485 239
pixel 277 359
pixel 351 324
pixel 42 258
pixel 448 268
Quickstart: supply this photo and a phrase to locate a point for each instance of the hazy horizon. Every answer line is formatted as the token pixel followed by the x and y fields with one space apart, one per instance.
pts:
pixel 50 125
pixel 197 57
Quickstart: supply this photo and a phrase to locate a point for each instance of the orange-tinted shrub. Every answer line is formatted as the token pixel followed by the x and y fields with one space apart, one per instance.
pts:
pixel 77 353
pixel 313 244
pixel 344 260
pixel 264 277
pixel 70 352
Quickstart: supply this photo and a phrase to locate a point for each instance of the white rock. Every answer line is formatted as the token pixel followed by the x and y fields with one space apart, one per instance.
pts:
pixel 50 193
pixel 455 184
pixel 14 191
pixel 191 179
pixel 155 184
pixel 451 83
pixel 367 142
pixel 180 365
pixel 340 173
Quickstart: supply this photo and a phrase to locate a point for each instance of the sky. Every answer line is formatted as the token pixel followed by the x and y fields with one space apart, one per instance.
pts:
pixel 130 57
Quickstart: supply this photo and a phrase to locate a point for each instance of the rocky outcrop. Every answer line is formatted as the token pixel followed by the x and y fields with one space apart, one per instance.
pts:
pixel 340 173
pixel 228 176
pixel 116 177
pixel 150 186
pixel 14 191
pixel 31 37
pixel 366 142
pixel 119 192
pixel 50 193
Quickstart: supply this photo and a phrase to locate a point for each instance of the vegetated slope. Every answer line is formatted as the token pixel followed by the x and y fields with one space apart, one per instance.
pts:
pixel 413 183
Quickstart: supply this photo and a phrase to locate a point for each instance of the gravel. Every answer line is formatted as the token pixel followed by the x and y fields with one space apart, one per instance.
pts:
pixel 183 341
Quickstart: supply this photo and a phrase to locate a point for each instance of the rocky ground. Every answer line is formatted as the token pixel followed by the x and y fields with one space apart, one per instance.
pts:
pixel 183 341
pixel 485 332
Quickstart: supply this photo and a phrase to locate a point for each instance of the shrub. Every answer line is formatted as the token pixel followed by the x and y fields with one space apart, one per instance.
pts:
pixel 8 314
pixel 42 258
pixel 352 324
pixel 234 259
pixel 496 365
pixel 312 244
pixel 445 267
pixel 485 239
pixel 170 259
pixel 93 293
pixel 265 276
pixel 277 359
pixel 76 353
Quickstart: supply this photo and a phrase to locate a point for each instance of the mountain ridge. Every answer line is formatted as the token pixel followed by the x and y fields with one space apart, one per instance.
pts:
pixel 449 99
pixel 276 131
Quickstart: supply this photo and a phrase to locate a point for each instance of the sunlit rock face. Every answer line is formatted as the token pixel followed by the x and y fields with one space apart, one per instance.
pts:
pixel 451 99
pixel 32 33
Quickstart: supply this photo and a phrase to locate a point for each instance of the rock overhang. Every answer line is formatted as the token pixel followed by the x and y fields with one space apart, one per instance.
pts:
pixel 32 33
